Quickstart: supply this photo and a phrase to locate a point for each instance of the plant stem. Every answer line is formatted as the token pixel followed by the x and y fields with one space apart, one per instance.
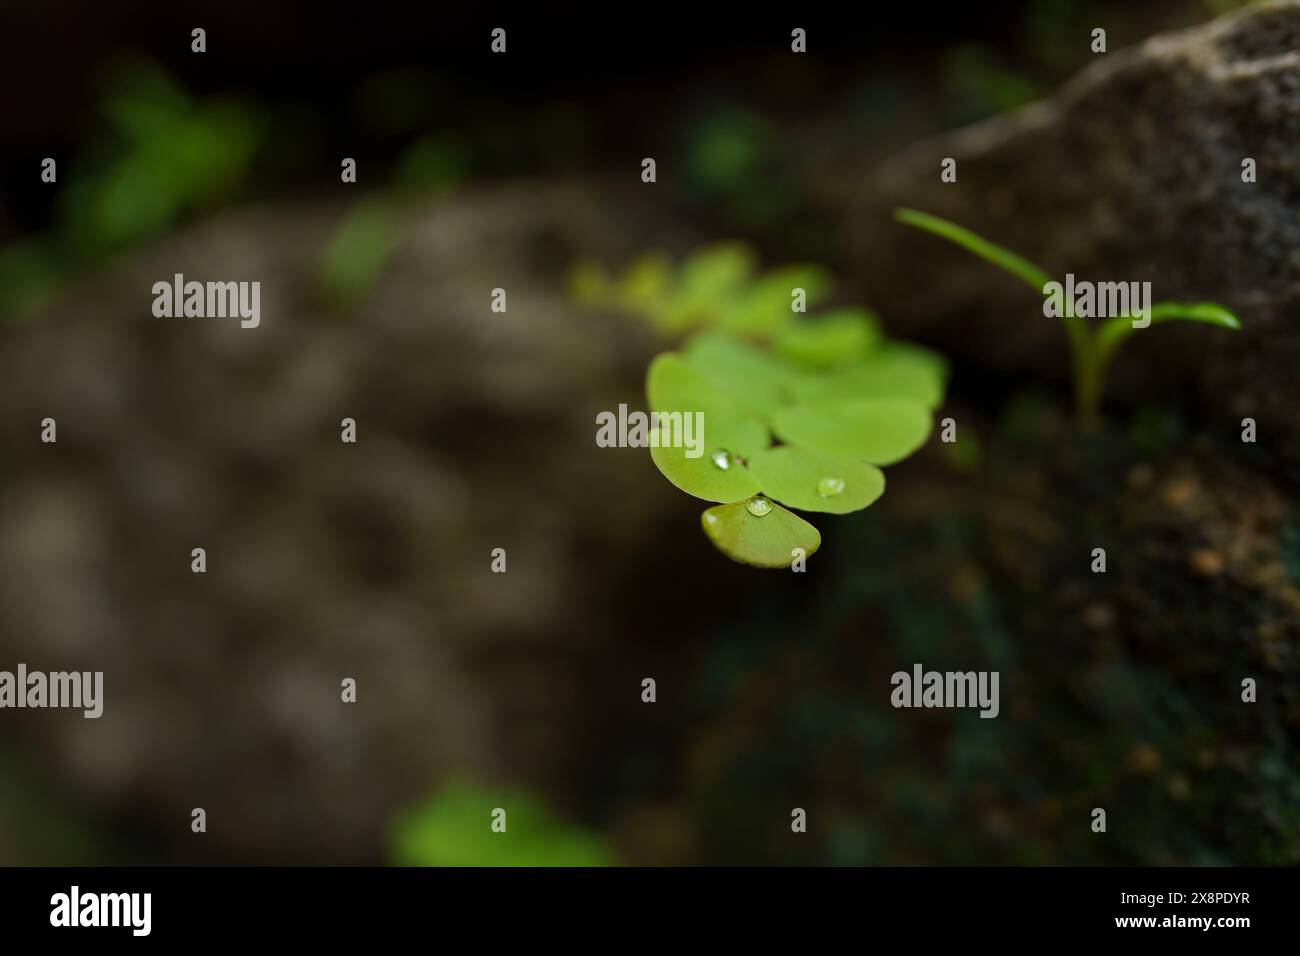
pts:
pixel 1087 383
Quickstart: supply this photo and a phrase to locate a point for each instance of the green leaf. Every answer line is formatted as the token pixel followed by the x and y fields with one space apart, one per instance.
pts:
pixel 717 472
pixel 645 284
pixel 834 338
pixel 878 431
pixel 717 270
pixel 1020 267
pixel 749 375
pixel 675 387
pixel 589 283
pixel 896 370
pixel 1115 330
pixel 453 829
pixel 810 482
pixel 1017 265
pixel 765 310
pixel 711 282
pixel 29 275
pixel 767 541
pixel 432 164
pixel 359 250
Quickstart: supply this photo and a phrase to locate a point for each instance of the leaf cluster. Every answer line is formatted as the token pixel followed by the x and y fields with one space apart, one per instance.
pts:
pixel 800 412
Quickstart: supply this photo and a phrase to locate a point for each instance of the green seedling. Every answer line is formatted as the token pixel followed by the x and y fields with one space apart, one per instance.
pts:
pixel 1092 348
pixel 798 413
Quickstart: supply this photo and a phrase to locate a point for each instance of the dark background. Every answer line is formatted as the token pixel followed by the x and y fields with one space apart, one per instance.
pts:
pixel 1119 691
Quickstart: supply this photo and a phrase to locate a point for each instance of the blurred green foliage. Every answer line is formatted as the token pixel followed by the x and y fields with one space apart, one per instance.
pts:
pixel 162 155
pixel 736 165
pixel 169 155
pixel 355 256
pixel 41 825
pixel 453 828
pixel 981 84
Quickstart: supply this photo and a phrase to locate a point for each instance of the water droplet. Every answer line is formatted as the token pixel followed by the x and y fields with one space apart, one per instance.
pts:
pixel 758 506
pixel 830 487
pixel 721 459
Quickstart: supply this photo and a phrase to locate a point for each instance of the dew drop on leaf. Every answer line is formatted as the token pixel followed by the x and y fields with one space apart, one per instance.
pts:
pixel 801 479
pixel 770 541
pixel 721 459
pixel 758 506
pixel 830 487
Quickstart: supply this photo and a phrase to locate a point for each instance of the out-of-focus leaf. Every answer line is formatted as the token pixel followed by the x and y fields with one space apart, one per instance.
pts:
pixel 357 253
pixel 590 283
pixel 644 285
pixel 432 164
pixel 766 309
pixel 834 338
pixel 453 828
pixel 29 276
pixel 717 270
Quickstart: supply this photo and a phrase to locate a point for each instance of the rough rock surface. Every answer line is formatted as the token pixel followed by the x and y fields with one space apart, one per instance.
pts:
pixel 1133 171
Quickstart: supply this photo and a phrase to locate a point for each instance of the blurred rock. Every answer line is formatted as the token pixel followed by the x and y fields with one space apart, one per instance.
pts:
pixel 328 560
pixel 1133 171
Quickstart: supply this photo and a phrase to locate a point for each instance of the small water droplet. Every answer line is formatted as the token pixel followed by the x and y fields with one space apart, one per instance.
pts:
pixel 758 506
pixel 830 487
pixel 722 459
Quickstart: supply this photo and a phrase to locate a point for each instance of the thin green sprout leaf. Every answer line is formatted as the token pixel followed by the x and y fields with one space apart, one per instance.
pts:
pixel 1116 330
pixel 1017 265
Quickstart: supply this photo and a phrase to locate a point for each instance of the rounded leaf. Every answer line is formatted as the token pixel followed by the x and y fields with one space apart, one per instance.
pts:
pixel 717 270
pixel 878 431
pixel 896 370
pixel 715 468
pixel 675 385
pixel 751 376
pixel 834 338
pixel 770 540
pixel 809 482
pixel 765 310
